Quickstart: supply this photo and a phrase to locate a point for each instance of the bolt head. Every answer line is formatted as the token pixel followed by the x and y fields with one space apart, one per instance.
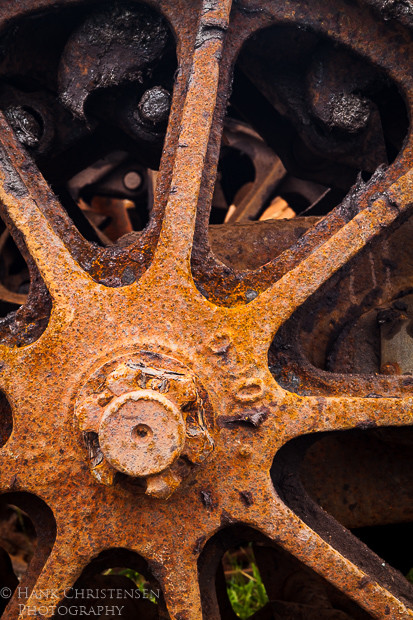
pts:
pixel 154 106
pixel 26 125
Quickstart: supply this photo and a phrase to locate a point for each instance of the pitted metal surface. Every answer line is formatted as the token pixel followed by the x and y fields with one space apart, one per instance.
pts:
pixel 164 386
pixel 139 416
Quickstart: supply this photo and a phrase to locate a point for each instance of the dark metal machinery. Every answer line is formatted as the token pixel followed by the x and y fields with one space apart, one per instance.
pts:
pixel 206 297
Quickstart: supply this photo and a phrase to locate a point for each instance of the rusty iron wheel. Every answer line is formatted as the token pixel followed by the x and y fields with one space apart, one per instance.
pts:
pixel 146 421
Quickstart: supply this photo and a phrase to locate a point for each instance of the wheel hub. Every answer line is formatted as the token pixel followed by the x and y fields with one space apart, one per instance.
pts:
pixel 144 416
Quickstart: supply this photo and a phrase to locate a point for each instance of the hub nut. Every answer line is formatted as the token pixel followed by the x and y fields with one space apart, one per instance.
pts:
pixel 141 433
pixel 141 421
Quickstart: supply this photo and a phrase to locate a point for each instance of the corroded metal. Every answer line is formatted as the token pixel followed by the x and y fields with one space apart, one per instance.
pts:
pixel 165 296
pixel 140 420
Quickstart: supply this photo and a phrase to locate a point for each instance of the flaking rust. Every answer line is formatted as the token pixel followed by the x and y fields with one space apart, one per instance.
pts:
pixel 145 416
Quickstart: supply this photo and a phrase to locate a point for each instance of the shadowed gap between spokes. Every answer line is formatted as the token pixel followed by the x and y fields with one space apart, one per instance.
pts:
pixel 290 468
pixel 275 305
pixel 30 534
pixel 117 582
pixel 291 587
pixel 259 67
pixel 52 258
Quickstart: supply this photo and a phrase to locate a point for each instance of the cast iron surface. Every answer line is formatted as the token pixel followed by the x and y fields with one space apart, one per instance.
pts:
pixel 216 321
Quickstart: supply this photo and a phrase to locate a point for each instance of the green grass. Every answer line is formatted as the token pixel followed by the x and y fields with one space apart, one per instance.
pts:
pixel 409 575
pixel 245 588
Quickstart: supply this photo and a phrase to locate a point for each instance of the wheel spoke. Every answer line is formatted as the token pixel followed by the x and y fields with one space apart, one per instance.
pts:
pixel 317 414
pixel 286 529
pixel 18 175
pixel 145 365
pixel 179 220
pixel 180 586
pixel 181 589
pixel 273 307
pixel 58 575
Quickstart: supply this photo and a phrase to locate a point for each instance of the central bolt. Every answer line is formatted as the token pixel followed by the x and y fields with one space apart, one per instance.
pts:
pixel 141 433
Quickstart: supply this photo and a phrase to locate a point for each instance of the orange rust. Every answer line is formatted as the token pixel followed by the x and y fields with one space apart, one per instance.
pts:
pixel 75 377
